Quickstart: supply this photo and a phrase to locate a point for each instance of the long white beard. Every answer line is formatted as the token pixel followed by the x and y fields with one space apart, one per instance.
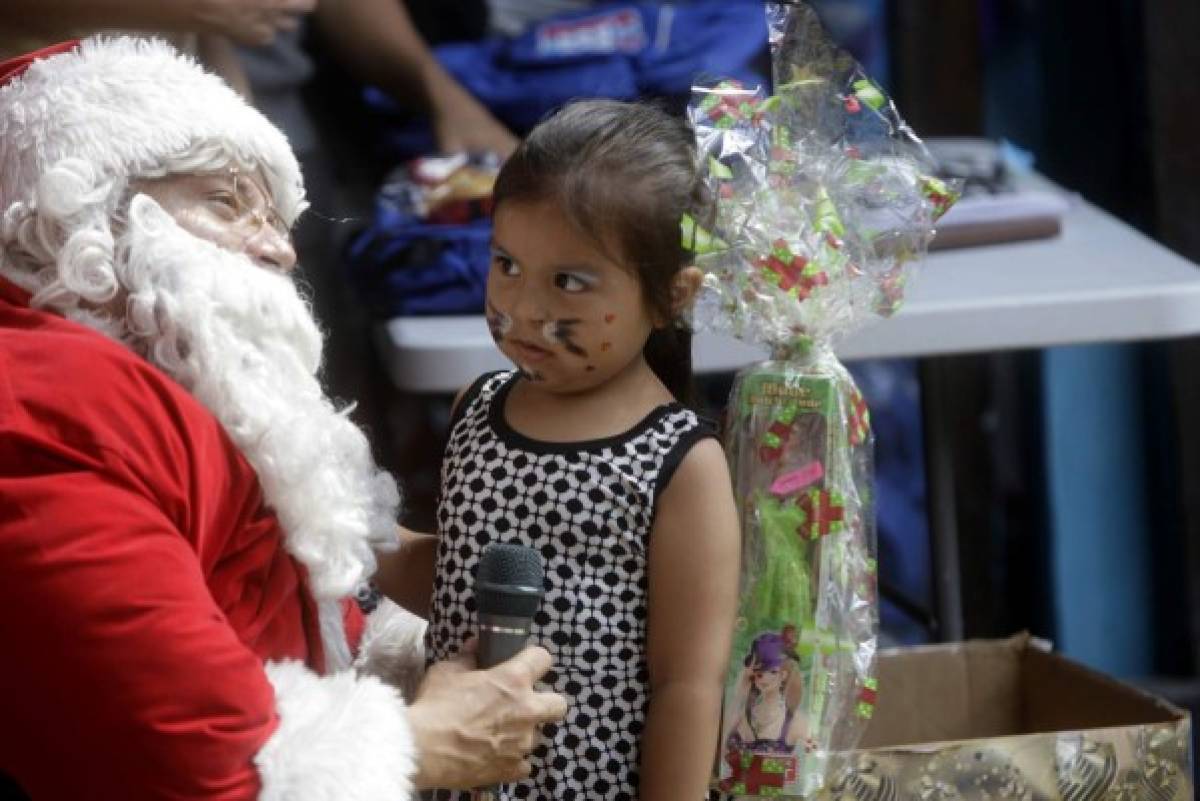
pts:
pixel 243 341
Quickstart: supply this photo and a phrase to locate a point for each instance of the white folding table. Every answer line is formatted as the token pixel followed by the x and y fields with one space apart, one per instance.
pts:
pixel 1100 281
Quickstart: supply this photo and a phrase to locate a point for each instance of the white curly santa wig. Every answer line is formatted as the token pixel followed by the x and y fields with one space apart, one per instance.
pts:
pixel 79 122
pixel 127 105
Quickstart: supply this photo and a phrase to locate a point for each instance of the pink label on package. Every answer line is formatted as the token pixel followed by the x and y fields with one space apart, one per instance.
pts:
pixel 798 479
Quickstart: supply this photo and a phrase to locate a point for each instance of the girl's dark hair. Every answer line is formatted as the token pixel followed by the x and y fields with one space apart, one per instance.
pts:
pixel 624 174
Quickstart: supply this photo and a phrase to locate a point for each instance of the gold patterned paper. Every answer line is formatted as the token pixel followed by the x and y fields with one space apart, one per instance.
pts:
pixel 1131 763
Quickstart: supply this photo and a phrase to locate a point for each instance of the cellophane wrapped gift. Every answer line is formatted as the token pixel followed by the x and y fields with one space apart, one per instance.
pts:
pixel 822 200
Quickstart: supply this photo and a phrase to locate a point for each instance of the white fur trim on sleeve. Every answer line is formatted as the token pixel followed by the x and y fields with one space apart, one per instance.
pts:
pixel 341 737
pixel 393 647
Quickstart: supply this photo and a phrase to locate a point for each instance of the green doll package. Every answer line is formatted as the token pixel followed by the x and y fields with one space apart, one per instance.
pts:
pixel 822 200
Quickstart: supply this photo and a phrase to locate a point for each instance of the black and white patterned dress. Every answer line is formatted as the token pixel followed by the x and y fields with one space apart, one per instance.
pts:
pixel 588 507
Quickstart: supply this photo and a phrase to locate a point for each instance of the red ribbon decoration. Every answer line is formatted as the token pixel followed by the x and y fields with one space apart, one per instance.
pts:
pixel 782 431
pixel 752 779
pixel 860 419
pixel 822 513
pixel 15 67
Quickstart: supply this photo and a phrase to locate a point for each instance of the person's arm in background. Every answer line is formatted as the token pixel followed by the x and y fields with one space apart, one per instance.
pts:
pixel 218 54
pixel 252 22
pixel 693 575
pixel 377 39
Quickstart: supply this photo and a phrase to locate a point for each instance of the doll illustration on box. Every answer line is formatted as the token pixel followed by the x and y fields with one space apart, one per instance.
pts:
pixel 761 740
pixel 824 199
pixel 770 686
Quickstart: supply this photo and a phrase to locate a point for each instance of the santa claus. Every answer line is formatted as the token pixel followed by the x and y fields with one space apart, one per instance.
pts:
pixel 183 511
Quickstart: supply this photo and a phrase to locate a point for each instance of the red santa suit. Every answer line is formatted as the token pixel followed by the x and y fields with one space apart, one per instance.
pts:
pixel 153 582
pixel 159 641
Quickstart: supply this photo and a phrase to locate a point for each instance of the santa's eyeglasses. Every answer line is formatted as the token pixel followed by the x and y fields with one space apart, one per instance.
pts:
pixel 246 205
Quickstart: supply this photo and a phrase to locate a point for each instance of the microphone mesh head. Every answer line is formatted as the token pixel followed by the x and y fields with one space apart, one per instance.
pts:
pixel 509 580
pixel 509 563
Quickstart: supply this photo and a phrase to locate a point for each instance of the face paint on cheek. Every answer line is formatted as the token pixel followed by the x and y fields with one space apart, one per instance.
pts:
pixel 499 323
pixel 563 332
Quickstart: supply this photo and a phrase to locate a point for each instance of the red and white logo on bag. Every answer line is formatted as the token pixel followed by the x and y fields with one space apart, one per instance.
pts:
pixel 618 31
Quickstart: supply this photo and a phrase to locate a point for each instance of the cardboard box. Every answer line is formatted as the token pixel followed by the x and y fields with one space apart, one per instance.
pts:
pixel 1008 720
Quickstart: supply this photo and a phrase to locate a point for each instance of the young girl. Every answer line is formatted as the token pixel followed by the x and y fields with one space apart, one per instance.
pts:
pixel 585 453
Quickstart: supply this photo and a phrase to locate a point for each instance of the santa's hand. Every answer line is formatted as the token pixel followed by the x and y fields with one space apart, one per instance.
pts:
pixel 476 728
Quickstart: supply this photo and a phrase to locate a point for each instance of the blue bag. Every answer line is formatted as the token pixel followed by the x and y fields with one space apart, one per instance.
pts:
pixel 406 268
pixel 615 50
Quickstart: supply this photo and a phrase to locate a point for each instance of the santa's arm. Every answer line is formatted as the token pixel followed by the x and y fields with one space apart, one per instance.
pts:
pixel 405 575
pixel 129 658
pixel 342 736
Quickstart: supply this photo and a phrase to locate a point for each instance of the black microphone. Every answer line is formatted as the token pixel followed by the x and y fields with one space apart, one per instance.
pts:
pixel 508 592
